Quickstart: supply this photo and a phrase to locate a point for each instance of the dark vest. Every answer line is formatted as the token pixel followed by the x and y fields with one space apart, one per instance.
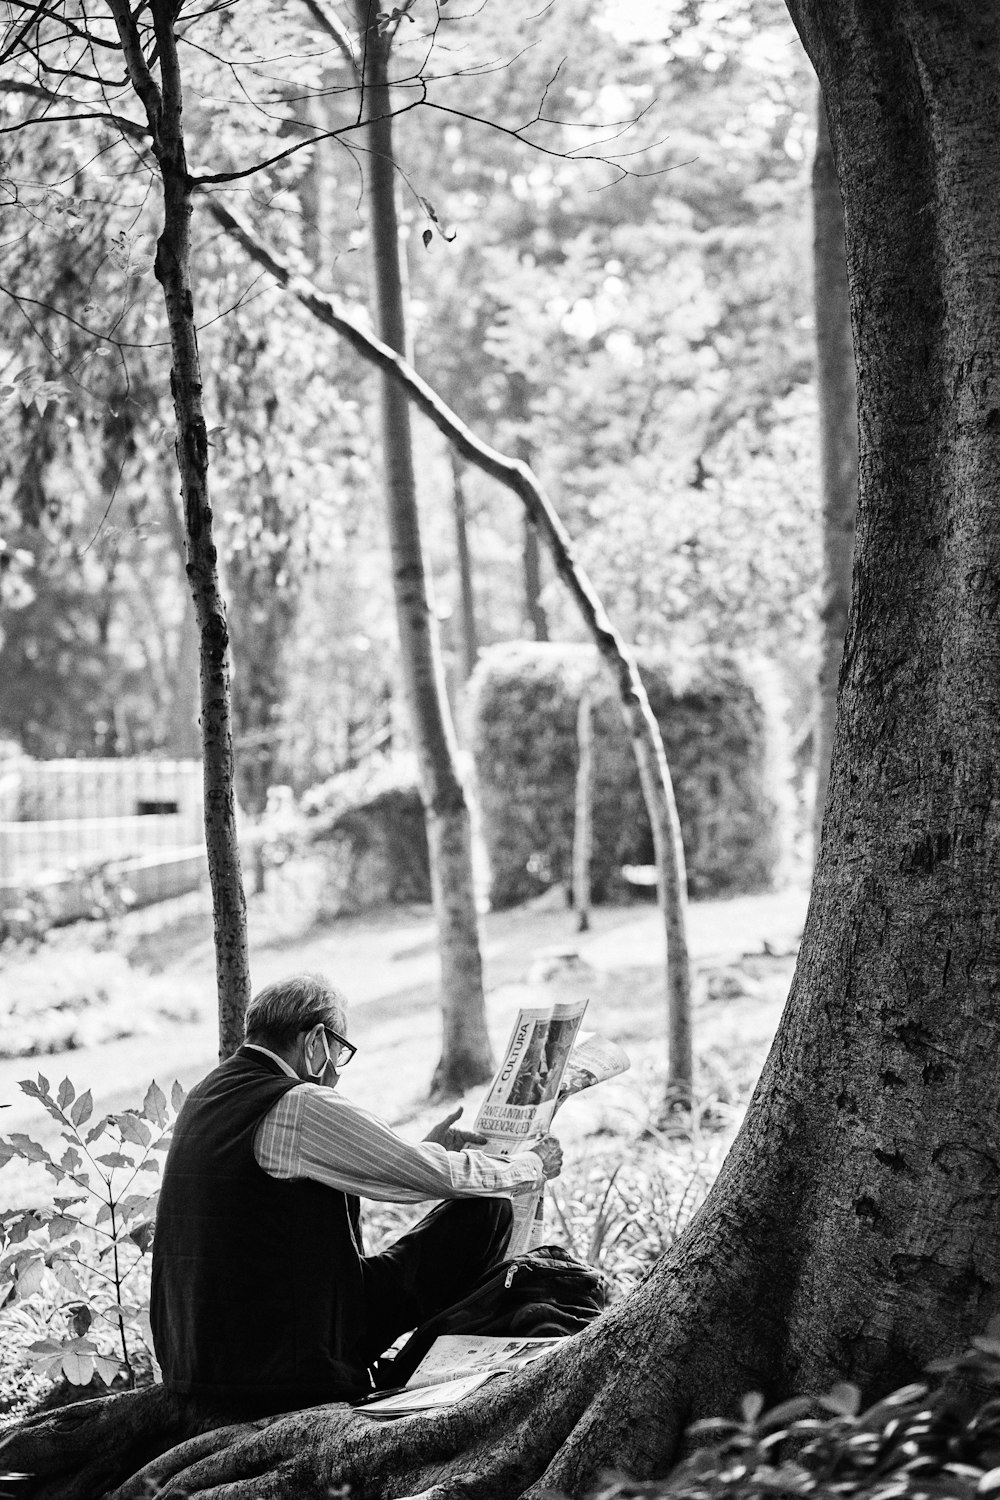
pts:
pixel 256 1294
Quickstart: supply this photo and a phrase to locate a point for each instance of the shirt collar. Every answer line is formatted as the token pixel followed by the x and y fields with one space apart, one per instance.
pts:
pixel 285 1068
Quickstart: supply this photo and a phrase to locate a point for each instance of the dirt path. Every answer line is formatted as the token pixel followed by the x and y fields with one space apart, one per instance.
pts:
pixel 387 965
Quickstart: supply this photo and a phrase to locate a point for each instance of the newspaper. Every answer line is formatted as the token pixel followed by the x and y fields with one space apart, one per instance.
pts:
pixel 454 1366
pixel 406 1403
pixel 455 1355
pixel 542 1066
pixel 521 1100
pixel 545 1063
pixel 593 1059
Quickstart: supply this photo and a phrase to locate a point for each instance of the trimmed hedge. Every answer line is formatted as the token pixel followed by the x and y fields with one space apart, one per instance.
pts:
pixel 725 743
pixel 371 826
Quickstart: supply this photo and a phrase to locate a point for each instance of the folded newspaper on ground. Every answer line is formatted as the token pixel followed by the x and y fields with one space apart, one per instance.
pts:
pixel 545 1062
pixel 455 1365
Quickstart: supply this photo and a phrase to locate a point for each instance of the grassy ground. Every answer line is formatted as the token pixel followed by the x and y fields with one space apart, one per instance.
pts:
pixel 627 1188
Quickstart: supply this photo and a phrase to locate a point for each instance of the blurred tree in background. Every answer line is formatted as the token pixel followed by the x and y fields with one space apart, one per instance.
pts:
pixel 644 339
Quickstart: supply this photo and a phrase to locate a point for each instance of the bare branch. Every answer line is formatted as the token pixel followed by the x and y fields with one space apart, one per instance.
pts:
pixel 334 28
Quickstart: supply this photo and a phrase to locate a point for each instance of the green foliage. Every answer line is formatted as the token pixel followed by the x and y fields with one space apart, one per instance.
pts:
pixel 724 748
pixel 78 1266
pixel 922 1442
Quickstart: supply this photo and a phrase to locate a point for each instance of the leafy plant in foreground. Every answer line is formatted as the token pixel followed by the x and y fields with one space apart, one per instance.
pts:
pixel 918 1443
pixel 78 1262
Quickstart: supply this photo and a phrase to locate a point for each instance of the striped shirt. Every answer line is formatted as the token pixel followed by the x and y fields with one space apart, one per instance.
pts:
pixel 313 1131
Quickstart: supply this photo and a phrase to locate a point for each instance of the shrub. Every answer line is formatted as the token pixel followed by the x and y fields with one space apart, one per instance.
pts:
pixel 922 1442
pixel 724 741
pixel 370 823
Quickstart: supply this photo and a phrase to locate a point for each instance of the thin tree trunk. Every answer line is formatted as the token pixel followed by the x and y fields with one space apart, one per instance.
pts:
pixel 163 105
pixel 838 431
pixel 467 599
pixel 583 822
pixel 640 722
pixel 183 739
pixel 466 1056
pixel 531 560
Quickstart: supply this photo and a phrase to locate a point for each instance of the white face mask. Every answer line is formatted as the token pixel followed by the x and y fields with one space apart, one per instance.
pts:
pixel 313 1074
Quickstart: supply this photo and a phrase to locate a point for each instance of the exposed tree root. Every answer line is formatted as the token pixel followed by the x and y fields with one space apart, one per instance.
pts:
pixel 617 1394
pixel 82 1451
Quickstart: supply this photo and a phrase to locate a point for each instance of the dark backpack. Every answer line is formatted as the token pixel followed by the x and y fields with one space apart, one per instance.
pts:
pixel 546 1293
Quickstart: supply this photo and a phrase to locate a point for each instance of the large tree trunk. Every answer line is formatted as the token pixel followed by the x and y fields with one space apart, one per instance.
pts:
pixel 163 104
pixel 838 442
pixel 466 1057
pixel 854 1231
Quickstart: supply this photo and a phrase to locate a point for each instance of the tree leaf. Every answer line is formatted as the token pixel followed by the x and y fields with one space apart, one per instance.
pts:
pixel 154 1105
pixel 108 1369
pixel 78 1368
pixel 142 1235
pixel 843 1399
pixel 114 1159
pixel 30 1279
pixel 28 1149
pixel 66 1094
pixel 44 1098
pixel 46 1346
pixel 132 1129
pixel 60 1225
pixel 137 1205
pixel 67 1278
pixel 751 1406
pixel 19 1226
pixel 81 1112
pixel 177 1096
pixel 81 1318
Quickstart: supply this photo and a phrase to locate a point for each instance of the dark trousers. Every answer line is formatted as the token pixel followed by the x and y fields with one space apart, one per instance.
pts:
pixel 429 1268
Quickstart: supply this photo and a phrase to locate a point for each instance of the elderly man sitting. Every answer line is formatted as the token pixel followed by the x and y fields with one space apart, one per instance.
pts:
pixel 263 1299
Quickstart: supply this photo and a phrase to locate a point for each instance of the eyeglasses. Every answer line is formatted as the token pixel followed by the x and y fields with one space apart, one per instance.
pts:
pixel 340 1054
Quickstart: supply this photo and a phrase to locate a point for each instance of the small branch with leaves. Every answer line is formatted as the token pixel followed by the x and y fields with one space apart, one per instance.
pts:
pixel 74 1264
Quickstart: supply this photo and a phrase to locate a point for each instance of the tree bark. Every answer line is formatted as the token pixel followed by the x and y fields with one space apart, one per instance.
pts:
pixel 469 639
pixel 183 739
pixel 163 104
pixel 532 561
pixel 583 821
pixel 640 721
pixel 838 442
pixel 466 1056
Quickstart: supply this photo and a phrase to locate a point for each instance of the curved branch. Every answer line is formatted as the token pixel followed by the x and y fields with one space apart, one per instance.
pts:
pixel 639 718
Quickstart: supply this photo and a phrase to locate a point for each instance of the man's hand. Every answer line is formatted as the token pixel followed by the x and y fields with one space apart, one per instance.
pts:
pixel 549 1151
pixel 451 1139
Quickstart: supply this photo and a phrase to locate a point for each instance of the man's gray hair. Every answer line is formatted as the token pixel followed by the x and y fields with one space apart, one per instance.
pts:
pixel 279 1012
